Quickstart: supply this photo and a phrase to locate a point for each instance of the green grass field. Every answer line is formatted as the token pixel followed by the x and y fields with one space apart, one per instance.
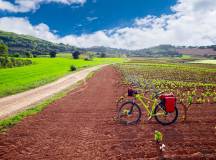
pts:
pixel 42 71
pixel 205 61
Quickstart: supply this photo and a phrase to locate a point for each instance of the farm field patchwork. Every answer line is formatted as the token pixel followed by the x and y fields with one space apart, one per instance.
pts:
pixel 83 126
pixel 42 71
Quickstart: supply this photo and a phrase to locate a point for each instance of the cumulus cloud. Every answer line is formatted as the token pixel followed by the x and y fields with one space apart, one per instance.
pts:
pixel 32 5
pixel 23 26
pixel 191 23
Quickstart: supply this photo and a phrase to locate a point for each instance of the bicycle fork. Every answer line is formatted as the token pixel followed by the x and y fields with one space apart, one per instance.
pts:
pixel 131 109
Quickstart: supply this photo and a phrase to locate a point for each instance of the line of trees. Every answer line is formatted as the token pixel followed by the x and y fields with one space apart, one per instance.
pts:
pixel 9 62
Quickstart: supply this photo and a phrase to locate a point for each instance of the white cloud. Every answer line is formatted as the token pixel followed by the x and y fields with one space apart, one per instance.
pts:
pixel 91 18
pixel 192 23
pixel 32 5
pixel 23 26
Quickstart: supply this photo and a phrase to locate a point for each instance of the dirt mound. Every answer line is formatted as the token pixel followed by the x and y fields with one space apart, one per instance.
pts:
pixel 81 126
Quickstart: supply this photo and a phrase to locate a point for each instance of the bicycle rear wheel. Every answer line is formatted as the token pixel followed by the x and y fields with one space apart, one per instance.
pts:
pixel 164 117
pixel 129 113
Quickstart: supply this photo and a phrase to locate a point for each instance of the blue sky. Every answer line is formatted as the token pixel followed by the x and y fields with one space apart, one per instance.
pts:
pixel 128 24
pixel 93 15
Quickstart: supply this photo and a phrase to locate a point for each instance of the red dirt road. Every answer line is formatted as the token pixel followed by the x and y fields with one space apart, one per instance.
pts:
pixel 81 126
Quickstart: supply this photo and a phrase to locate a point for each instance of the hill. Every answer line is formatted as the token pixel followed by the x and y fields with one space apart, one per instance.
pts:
pixel 158 51
pixel 23 44
pixel 203 52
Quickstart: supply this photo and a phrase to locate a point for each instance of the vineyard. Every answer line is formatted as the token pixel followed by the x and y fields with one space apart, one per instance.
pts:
pixel 191 83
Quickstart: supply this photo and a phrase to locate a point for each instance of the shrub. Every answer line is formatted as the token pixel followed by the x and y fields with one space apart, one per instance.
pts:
pixel 52 54
pixel 3 50
pixel 103 55
pixel 15 55
pixel 76 54
pixel 34 55
pixel 73 68
pixel 87 59
pixel 2 61
pixel 89 56
pixel 28 55
pixel 9 62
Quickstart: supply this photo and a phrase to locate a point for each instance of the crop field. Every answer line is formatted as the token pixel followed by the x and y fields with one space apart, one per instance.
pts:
pixel 205 61
pixel 42 71
pixel 192 83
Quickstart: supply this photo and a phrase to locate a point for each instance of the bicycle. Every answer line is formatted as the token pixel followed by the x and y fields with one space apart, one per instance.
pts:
pixel 130 112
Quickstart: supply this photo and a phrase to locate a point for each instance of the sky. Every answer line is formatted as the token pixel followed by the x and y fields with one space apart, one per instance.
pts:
pixel 127 24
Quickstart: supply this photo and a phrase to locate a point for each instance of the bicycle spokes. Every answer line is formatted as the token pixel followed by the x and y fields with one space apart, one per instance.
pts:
pixel 164 117
pixel 129 113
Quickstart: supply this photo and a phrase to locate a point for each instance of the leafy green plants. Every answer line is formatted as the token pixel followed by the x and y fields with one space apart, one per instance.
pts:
pixel 73 68
pixel 160 147
pixel 158 136
pixel 186 105
pixel 191 83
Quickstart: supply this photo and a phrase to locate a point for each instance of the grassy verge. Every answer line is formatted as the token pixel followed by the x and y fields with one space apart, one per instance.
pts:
pixel 42 71
pixel 11 121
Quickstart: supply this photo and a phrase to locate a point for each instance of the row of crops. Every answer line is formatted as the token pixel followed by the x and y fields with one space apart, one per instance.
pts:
pixel 191 83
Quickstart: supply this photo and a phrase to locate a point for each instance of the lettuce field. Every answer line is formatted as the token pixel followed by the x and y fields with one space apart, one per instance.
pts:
pixel 191 83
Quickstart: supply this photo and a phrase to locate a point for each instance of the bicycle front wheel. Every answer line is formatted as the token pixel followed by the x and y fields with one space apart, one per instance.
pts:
pixel 164 117
pixel 129 113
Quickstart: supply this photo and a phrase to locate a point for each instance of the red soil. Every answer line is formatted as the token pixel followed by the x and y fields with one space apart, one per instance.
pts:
pixel 82 126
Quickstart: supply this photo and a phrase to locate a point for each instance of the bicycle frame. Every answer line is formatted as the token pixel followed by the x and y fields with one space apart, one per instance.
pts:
pixel 141 99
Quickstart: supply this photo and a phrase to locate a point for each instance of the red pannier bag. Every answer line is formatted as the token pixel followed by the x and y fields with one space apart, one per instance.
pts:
pixel 169 102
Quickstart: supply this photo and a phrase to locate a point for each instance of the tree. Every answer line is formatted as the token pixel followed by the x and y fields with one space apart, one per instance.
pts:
pixel 28 55
pixel 76 54
pixel 89 56
pixel 52 54
pixel 3 50
pixel 103 55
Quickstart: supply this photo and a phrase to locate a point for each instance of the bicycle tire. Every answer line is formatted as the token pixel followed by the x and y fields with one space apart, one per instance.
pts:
pixel 160 106
pixel 135 106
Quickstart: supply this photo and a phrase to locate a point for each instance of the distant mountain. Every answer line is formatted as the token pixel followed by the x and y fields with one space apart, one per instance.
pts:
pixel 158 51
pixel 207 51
pixel 107 50
pixel 23 44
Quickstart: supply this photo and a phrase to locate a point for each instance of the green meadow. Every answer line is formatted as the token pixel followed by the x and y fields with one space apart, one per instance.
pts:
pixel 42 71
pixel 210 61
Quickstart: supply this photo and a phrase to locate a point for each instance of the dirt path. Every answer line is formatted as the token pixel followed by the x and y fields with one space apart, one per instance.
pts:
pixel 15 103
pixel 81 126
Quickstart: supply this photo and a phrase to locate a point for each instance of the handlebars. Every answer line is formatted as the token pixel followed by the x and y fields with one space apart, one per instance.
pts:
pixel 150 88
